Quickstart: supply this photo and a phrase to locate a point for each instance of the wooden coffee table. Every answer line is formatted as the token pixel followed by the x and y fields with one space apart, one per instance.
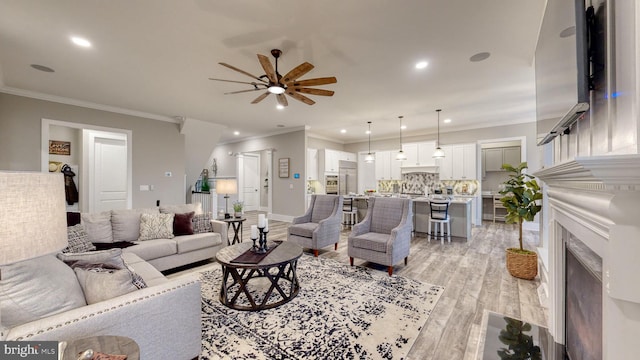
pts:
pixel 278 268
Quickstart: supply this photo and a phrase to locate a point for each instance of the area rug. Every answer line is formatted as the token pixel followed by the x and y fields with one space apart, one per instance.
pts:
pixel 341 312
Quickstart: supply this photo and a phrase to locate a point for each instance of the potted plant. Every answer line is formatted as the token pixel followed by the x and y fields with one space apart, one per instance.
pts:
pixel 521 198
pixel 237 208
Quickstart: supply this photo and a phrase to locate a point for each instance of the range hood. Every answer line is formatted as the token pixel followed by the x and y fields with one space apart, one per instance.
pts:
pixel 565 123
pixel 419 169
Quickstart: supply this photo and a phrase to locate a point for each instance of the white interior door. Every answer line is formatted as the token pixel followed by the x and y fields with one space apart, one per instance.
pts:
pixel 108 171
pixel 251 182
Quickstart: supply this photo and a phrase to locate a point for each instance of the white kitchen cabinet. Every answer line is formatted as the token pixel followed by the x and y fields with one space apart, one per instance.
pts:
pixel 387 167
pixel 495 157
pixel 312 164
pixel 329 161
pixel 459 162
pixel 347 156
pixel 419 154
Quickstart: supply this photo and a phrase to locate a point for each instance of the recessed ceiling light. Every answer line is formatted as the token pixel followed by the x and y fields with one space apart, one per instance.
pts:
pixel 279 107
pixel 421 65
pixel 80 41
pixel 446 121
pixel 479 56
pixel 42 68
pixel 368 132
pixel 236 133
pixel 403 127
pixel 343 131
pixel 571 30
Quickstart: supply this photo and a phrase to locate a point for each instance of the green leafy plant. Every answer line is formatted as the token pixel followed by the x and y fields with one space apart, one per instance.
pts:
pixel 237 206
pixel 521 197
pixel 520 345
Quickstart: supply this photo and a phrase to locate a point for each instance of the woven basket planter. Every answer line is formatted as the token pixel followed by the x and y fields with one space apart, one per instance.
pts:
pixel 522 266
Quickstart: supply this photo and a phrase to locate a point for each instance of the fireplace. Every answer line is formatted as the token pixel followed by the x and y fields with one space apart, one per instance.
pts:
pixel 593 247
pixel 583 301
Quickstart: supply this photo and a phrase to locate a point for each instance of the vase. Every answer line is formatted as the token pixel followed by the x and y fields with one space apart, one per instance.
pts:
pixel 522 266
pixel 238 214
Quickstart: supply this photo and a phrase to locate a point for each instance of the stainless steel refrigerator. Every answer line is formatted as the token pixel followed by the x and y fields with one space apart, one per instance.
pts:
pixel 347 177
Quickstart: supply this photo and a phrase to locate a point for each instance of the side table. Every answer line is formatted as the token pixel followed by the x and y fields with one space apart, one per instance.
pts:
pixel 236 224
pixel 107 344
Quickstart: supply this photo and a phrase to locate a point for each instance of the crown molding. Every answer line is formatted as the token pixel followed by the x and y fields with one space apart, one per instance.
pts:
pixel 262 136
pixel 86 104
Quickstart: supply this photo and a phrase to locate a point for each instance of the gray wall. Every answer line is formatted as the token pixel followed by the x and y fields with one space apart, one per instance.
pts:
pixel 316 143
pixel 157 146
pixel 287 201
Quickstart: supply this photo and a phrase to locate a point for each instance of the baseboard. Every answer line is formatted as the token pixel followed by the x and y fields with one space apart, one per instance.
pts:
pixel 280 217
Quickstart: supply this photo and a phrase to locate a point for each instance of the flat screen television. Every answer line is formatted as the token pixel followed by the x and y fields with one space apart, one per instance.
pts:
pixel 562 67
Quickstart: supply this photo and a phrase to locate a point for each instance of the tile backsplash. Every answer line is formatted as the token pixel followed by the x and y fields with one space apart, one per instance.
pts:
pixel 415 183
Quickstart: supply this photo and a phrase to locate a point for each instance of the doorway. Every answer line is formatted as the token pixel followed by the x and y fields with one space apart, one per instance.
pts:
pixel 254 178
pixel 104 169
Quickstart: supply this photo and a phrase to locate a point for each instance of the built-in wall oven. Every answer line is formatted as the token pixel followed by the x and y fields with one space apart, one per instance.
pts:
pixel 331 184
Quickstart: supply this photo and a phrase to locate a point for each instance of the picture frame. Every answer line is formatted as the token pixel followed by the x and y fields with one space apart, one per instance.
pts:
pixel 57 147
pixel 283 167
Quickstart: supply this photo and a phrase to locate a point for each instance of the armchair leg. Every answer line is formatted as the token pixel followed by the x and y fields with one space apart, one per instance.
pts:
pixel 390 270
pixel 315 252
pixel 351 261
pixel 335 247
pixel 405 260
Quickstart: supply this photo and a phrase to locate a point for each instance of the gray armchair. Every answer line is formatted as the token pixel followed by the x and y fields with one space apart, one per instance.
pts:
pixel 384 236
pixel 320 225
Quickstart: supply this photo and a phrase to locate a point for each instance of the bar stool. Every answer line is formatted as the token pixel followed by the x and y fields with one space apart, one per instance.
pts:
pixel 439 216
pixel 349 213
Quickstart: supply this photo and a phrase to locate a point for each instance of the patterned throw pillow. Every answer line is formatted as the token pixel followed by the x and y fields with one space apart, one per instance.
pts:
pixel 156 226
pixel 202 223
pixel 78 240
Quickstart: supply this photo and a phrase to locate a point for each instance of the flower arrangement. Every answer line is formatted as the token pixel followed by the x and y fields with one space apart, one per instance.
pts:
pixel 237 206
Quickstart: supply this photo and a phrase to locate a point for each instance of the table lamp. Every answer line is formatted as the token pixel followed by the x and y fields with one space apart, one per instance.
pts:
pixel 226 186
pixel 33 218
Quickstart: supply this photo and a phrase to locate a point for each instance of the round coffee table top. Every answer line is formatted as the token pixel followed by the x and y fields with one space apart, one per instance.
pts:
pixel 107 344
pixel 286 251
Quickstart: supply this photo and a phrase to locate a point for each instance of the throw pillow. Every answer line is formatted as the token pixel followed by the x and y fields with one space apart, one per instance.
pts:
pixel 156 226
pixel 99 284
pixel 37 288
pixel 182 224
pixel 98 226
pixel 78 240
pixel 181 209
pixel 126 223
pixel 202 223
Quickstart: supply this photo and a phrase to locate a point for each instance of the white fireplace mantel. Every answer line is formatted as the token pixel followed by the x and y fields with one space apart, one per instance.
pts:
pixel 597 199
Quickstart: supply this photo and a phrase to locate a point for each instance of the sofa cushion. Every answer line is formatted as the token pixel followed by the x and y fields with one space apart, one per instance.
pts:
pixel 149 250
pixel 78 240
pixel 99 284
pixel 156 226
pixel 371 241
pixel 193 242
pixel 126 223
pixel 323 207
pixel 183 224
pixel 109 259
pixel 181 209
pixel 202 223
pixel 98 226
pixel 37 288
pixel 304 229
pixel 149 274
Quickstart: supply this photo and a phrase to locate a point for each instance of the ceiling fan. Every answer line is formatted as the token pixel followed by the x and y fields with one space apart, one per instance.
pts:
pixel 277 84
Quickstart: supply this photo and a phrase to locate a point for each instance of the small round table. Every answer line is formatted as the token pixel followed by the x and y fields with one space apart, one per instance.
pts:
pixel 278 267
pixel 236 225
pixel 107 344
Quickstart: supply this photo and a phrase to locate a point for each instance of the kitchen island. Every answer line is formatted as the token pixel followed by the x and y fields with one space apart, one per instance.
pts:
pixel 459 213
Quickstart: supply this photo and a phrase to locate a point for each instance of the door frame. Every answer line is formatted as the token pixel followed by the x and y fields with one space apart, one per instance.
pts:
pixel 268 158
pixel 241 171
pixel 84 172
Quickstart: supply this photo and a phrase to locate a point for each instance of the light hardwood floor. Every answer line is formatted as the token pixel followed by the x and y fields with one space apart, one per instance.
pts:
pixel 473 274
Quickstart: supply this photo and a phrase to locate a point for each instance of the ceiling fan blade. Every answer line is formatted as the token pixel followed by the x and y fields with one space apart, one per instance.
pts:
pixel 299 97
pixel 239 82
pixel 282 100
pixel 241 91
pixel 261 97
pixel 241 71
pixel 296 72
pixel 312 91
pixel 313 82
pixel 268 68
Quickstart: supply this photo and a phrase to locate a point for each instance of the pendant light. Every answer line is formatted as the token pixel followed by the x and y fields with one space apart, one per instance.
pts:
pixel 401 155
pixel 439 153
pixel 369 158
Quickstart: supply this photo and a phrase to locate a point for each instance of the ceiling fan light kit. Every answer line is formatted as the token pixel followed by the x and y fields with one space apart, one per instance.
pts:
pixel 439 153
pixel 277 84
pixel 369 158
pixel 401 155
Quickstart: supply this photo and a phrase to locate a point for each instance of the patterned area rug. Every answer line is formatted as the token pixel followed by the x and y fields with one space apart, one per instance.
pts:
pixel 341 312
